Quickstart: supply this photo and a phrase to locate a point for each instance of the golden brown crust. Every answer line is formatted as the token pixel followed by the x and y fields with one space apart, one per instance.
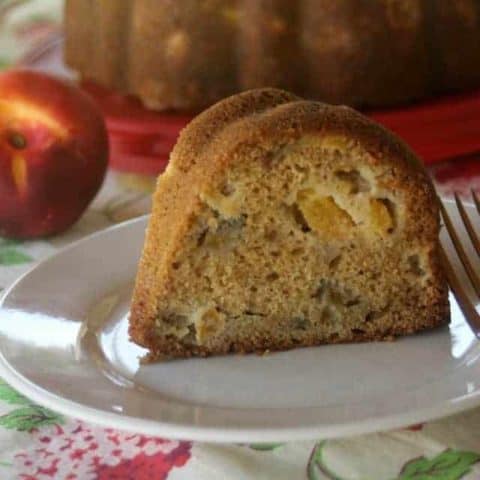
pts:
pixel 209 146
pixel 189 54
pixel 162 351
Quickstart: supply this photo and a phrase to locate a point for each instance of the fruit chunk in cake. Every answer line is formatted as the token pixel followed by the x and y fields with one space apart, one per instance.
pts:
pixel 282 223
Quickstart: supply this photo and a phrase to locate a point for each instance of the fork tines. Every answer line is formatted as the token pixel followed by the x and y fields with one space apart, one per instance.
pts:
pixel 467 306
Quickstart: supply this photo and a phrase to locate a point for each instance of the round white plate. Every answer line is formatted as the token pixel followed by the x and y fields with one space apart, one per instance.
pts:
pixel 64 344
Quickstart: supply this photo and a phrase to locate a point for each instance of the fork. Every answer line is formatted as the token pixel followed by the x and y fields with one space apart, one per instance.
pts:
pixel 466 305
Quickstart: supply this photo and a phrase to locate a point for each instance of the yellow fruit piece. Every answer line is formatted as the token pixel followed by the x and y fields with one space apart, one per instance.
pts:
pixel 380 216
pixel 208 323
pixel 323 215
pixel 226 206
pixel 231 14
pixel 336 142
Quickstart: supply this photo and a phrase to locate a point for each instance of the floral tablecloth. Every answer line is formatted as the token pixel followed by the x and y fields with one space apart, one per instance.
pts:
pixel 37 444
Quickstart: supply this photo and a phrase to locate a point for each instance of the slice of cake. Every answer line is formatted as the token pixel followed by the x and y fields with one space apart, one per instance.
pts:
pixel 282 223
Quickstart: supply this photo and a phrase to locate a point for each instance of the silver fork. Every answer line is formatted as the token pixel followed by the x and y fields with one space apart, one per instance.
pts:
pixel 458 289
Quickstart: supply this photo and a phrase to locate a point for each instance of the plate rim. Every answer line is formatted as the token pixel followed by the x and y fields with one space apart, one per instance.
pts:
pixel 214 434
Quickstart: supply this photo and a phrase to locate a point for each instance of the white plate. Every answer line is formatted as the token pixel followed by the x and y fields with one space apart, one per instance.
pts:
pixel 63 339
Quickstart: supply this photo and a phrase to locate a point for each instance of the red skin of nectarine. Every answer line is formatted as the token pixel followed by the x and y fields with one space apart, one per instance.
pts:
pixel 53 153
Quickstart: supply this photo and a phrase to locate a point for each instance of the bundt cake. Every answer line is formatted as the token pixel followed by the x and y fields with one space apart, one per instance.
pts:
pixel 187 54
pixel 282 222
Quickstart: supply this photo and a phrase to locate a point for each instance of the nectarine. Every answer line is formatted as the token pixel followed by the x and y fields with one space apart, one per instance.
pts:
pixel 53 153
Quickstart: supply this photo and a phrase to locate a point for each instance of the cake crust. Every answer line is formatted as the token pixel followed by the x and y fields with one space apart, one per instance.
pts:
pixel 214 142
pixel 188 54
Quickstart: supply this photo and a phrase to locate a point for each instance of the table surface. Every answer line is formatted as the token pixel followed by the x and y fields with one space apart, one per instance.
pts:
pixel 36 443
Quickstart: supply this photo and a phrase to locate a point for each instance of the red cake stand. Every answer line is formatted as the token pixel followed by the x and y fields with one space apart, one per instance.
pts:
pixel 445 130
pixel 140 139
